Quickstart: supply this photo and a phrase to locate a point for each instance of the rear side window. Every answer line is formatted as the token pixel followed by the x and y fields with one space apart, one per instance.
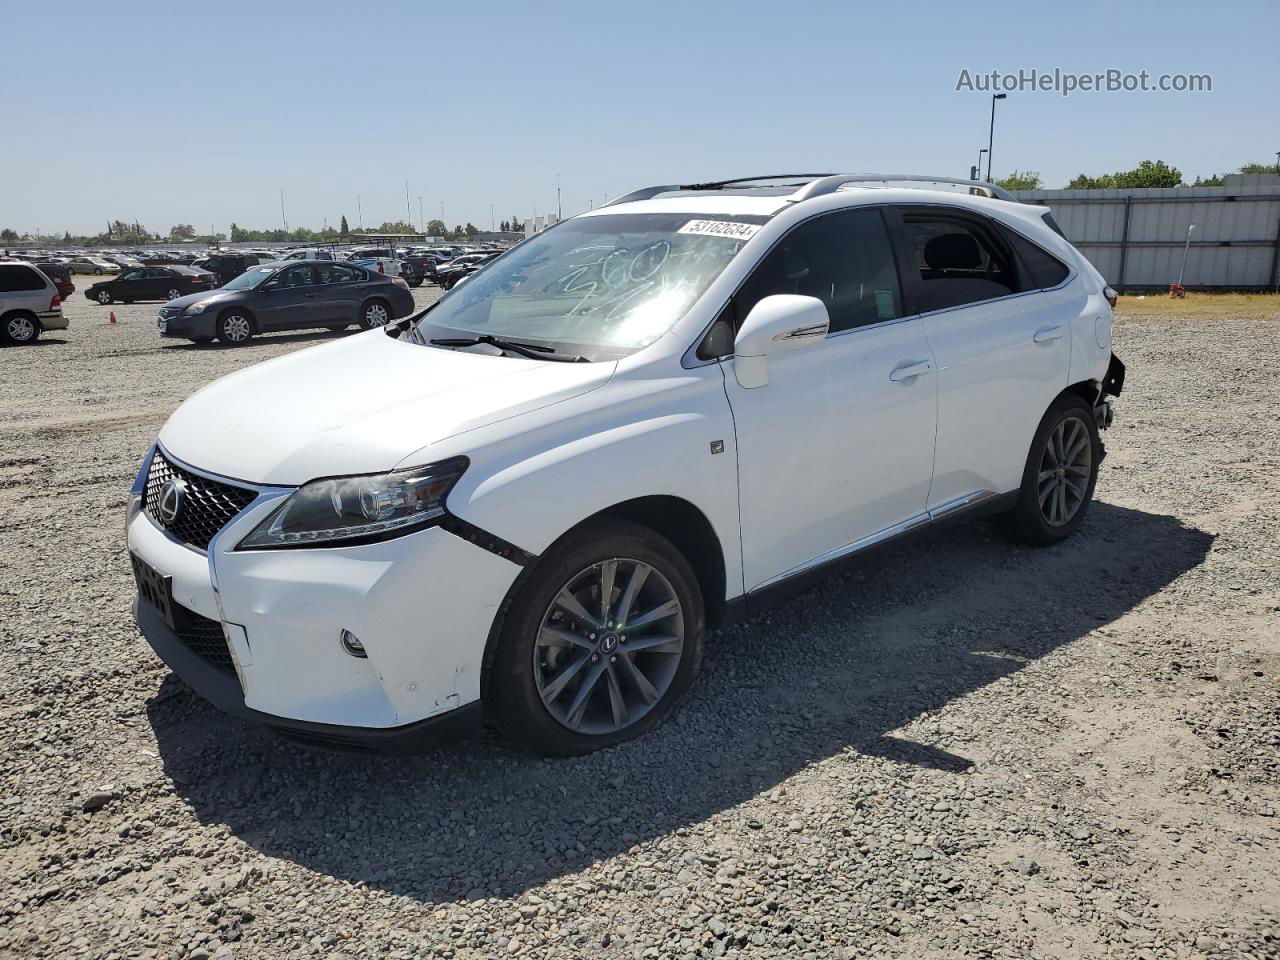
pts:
pixel 844 259
pixel 337 273
pixel 1042 268
pixel 15 277
pixel 958 260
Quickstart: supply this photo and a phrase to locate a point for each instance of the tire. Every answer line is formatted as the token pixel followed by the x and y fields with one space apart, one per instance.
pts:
pixel 97 271
pixel 235 328
pixel 104 297
pixel 543 660
pixel 375 313
pixel 415 284
pixel 173 294
pixel 19 328
pixel 1051 504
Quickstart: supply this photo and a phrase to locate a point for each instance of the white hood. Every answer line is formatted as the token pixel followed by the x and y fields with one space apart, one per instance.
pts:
pixel 358 405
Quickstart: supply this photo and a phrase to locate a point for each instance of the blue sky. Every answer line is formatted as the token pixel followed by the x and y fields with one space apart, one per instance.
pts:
pixel 166 113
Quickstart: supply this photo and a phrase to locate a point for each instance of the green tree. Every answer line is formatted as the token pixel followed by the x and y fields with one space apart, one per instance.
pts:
pixel 517 223
pixel 1260 168
pixel 343 229
pixel 1148 173
pixel 471 229
pixel 8 235
pixel 436 228
pixel 1214 181
pixel 182 231
pixel 1021 180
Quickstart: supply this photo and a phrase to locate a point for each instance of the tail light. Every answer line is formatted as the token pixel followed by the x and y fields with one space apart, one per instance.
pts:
pixel 1111 296
pixel 380 270
pixel 55 303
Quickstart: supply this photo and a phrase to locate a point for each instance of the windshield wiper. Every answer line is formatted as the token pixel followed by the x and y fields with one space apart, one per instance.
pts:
pixel 534 351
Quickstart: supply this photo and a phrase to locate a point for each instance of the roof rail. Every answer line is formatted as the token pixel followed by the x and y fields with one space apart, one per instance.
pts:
pixel 819 184
pixel 819 188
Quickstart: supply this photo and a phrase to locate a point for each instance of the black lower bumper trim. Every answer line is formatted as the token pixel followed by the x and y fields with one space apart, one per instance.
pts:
pixel 223 691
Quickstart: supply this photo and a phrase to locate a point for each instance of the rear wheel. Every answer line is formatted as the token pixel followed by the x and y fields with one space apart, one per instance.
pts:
pixel 173 294
pixel 20 329
pixel 376 313
pixel 235 328
pixel 1060 475
pixel 600 643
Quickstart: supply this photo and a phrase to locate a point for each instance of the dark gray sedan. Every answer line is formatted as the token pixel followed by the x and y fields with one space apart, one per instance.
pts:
pixel 288 296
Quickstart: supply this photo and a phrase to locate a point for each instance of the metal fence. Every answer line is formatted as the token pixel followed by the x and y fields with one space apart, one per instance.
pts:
pixel 1137 238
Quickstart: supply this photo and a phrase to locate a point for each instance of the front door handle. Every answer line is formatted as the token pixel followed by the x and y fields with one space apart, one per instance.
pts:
pixel 911 371
pixel 1045 334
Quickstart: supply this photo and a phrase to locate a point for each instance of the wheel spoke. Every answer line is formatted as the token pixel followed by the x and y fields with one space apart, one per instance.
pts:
pixel 655 643
pixel 553 689
pixel 660 612
pixel 617 702
pixel 1075 487
pixel 1062 503
pixel 638 680
pixel 639 573
pixel 578 705
pixel 555 636
pixel 608 573
pixel 1046 490
pixel 1078 470
pixel 570 604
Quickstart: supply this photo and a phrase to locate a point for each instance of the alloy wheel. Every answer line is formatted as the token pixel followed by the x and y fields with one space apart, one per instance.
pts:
pixel 236 328
pixel 20 329
pixel 1065 467
pixel 174 293
pixel 104 296
pixel 609 646
pixel 375 315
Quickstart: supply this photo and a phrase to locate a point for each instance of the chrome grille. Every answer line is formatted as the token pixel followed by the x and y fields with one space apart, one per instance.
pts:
pixel 207 507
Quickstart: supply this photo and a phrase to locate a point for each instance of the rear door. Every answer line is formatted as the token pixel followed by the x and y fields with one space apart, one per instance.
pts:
pixel 338 292
pixel 289 301
pixel 1001 346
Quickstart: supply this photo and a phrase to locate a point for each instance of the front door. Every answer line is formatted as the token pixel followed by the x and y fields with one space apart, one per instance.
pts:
pixel 837 449
pixel 338 297
pixel 289 300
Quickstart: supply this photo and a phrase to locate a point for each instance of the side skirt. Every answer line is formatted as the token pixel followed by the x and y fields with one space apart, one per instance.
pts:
pixel 788 585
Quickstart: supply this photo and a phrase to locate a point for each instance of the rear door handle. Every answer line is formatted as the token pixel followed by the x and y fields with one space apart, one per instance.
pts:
pixel 910 371
pixel 1045 334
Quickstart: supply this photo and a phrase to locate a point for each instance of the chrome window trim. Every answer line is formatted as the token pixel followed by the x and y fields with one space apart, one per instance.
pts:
pixel 690 360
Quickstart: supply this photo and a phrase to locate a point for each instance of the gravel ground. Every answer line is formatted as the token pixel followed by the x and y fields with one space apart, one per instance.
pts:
pixel 964 749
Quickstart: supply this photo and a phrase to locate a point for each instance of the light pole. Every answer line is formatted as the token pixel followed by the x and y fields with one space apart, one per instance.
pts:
pixel 283 218
pixel 492 222
pixel 558 216
pixel 442 211
pixel 991 133
pixel 1185 250
pixel 360 213
pixel 422 221
pixel 978 168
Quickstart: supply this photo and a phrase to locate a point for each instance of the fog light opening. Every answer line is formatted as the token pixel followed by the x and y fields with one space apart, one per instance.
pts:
pixel 352 645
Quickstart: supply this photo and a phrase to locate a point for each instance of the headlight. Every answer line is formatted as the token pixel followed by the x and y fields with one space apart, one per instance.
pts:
pixel 200 305
pixel 347 509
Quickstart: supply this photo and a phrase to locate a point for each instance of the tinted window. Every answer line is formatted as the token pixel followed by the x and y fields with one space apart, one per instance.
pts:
pixel 157 272
pixel 336 273
pixel 14 277
pixel 959 260
pixel 1043 269
pixel 302 276
pixel 844 259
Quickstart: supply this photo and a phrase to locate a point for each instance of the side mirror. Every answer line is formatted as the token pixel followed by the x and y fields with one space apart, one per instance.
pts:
pixel 776 323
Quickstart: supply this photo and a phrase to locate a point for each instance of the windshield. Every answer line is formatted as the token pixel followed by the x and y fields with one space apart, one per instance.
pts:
pixel 250 278
pixel 599 286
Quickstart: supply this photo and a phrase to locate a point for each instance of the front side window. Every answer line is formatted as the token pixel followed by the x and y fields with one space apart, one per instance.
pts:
pixel 596 286
pixel 958 260
pixel 250 279
pixel 844 259
pixel 302 276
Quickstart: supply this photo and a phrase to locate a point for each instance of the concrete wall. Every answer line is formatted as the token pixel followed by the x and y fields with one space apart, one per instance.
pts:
pixel 1136 237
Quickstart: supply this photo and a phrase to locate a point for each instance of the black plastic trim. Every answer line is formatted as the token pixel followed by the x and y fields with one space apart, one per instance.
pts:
pixel 1113 382
pixel 485 540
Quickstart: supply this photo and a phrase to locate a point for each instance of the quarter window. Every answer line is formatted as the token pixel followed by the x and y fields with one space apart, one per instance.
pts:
pixel 958 261
pixel 844 259
pixel 1043 268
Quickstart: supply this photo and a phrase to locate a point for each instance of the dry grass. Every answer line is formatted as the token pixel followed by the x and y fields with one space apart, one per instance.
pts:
pixel 1201 305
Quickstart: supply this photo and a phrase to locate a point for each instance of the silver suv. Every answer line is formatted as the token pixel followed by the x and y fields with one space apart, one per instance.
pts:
pixel 29 303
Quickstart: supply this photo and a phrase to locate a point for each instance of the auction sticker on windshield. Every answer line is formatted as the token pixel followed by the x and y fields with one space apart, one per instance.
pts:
pixel 720 228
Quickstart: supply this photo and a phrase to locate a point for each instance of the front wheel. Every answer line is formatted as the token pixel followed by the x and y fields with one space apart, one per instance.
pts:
pixel 599 644
pixel 375 314
pixel 1060 475
pixel 235 329
pixel 97 271
pixel 104 297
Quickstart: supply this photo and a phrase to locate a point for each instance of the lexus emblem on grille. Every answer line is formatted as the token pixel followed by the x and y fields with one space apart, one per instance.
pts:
pixel 172 495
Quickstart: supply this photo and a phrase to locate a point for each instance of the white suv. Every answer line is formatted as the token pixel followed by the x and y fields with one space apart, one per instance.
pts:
pixel 530 502
pixel 29 303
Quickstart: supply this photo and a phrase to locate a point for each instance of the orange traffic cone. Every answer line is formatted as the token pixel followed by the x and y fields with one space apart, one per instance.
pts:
pixel 113 316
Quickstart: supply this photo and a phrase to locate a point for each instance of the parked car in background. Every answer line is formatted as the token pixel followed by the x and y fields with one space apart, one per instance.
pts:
pixel 123 261
pixel 226 266
pixel 448 274
pixel 292 295
pixel 91 264
pixel 309 253
pixel 152 283
pixel 60 274
pixel 385 258
pixel 29 303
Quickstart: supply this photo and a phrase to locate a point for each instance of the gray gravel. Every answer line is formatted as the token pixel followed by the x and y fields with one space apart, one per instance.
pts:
pixel 964 749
